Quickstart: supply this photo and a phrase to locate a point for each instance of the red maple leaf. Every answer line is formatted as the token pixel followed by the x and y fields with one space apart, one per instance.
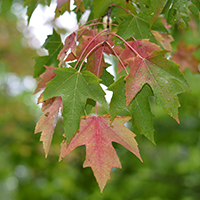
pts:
pixel 127 52
pixel 95 61
pixel 97 134
pixel 70 42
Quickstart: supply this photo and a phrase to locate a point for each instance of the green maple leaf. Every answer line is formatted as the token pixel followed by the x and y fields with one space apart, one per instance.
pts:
pixel 139 26
pixel 139 108
pixel 107 78
pixel 75 88
pixel 54 45
pixel 152 8
pixel 101 7
pixel 118 101
pixel 141 113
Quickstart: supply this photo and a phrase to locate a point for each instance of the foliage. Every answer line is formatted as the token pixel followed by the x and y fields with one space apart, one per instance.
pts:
pixel 135 33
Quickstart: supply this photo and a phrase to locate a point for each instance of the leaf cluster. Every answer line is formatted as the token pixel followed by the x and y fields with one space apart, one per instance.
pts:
pixel 137 34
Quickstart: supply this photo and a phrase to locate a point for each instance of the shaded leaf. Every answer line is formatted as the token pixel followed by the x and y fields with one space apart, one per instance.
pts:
pixel 107 79
pixel 118 101
pixel 141 113
pixel 97 134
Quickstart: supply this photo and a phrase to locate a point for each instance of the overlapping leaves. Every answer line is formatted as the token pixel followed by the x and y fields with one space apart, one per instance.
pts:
pixel 73 90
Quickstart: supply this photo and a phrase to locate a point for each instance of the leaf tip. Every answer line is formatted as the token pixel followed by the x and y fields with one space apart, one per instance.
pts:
pixel 177 120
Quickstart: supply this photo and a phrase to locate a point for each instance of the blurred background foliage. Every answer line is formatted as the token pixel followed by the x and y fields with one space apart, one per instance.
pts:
pixel 170 171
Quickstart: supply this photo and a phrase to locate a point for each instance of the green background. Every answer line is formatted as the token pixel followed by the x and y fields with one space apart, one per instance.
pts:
pixel 171 168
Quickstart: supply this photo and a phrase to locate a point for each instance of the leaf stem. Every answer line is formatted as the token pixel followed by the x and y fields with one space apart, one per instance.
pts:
pixel 96 108
pixel 99 64
pixel 87 47
pixel 127 44
pixel 95 47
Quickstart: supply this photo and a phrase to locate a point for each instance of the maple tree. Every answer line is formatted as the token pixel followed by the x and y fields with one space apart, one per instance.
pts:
pixel 137 33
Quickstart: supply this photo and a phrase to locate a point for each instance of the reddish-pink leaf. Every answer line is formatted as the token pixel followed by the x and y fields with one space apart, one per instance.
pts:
pixel 70 42
pixel 95 61
pixel 97 134
pixel 47 122
pixel 143 47
pixel 45 77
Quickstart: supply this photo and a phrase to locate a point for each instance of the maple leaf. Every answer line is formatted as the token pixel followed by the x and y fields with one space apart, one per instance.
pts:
pixel 140 25
pixel 101 7
pixel 161 74
pixel 184 57
pixel 127 53
pixel 48 121
pixel 97 134
pixel 54 45
pixel 164 39
pixel 31 7
pixel 62 6
pixel 45 77
pixel 70 42
pixel 152 8
pixel 79 5
pixel 95 61
pixel 75 88
pixel 139 107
